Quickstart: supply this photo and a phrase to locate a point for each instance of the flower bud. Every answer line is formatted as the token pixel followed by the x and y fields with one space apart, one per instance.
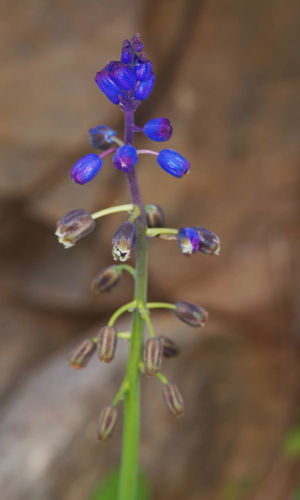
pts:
pixel 73 226
pixel 100 137
pixel 127 52
pixel 107 420
pixel 191 314
pixel 86 168
pixel 121 74
pixel 144 88
pixel 209 241
pixel 173 163
pixel 173 399
pixel 170 349
pixel 125 158
pixel 155 215
pixel 107 342
pixel 153 352
pixel 81 356
pixel 106 279
pixel 158 129
pixel 124 241
pixel 108 86
pixel 188 240
pixel 143 70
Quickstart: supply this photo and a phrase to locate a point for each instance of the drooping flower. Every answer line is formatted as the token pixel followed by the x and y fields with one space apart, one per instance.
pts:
pixel 158 129
pixel 173 163
pixel 86 168
pixel 73 226
pixel 209 241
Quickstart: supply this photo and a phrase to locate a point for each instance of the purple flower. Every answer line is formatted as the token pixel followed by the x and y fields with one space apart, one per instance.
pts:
pixel 143 70
pixel 158 129
pixel 144 88
pixel 188 240
pixel 108 86
pixel 209 241
pixel 125 158
pixel 173 163
pixel 121 74
pixel 100 137
pixel 86 168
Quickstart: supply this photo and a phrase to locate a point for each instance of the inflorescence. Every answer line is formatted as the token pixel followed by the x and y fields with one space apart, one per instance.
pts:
pixel 127 83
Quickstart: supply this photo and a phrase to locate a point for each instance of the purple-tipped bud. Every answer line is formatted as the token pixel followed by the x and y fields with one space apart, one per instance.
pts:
pixel 73 226
pixel 152 356
pixel 121 74
pixel 125 158
pixel 155 215
pixel 124 241
pixel 107 420
pixel 173 399
pixel 136 42
pixel 144 88
pixel 170 349
pixel 191 314
pixel 86 168
pixel 127 52
pixel 143 70
pixel 106 279
pixel 188 240
pixel 107 342
pixel 173 163
pixel 81 356
pixel 209 241
pixel 101 137
pixel 108 86
pixel 158 129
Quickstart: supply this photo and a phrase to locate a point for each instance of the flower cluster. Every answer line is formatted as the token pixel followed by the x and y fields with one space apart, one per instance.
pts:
pixel 127 83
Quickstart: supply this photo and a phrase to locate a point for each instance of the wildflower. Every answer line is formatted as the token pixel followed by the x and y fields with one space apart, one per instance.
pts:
pixel 155 215
pixel 124 241
pixel 191 314
pixel 209 242
pixel 82 355
pixel 173 399
pixel 101 137
pixel 106 279
pixel 107 341
pixel 73 226
pixel 170 349
pixel 107 421
pixel 144 88
pixel 158 129
pixel 173 163
pixel 153 352
pixel 188 240
pixel 125 158
pixel 86 168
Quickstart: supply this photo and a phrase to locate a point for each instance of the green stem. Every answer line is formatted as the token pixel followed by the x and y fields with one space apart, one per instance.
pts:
pixel 129 207
pixel 127 268
pixel 131 429
pixel 121 310
pixel 160 305
pixel 145 315
pixel 156 231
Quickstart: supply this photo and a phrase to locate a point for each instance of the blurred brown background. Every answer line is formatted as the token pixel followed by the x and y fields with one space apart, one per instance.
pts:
pixel 227 76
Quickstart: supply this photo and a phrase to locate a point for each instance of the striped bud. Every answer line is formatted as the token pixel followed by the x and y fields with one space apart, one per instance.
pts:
pixel 191 314
pixel 81 356
pixel 107 342
pixel 106 279
pixel 153 352
pixel 124 241
pixel 73 226
pixel 209 241
pixel 155 215
pixel 107 420
pixel 173 399
pixel 170 349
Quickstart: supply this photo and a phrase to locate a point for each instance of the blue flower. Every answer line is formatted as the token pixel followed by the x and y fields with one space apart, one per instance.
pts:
pixel 121 74
pixel 143 70
pixel 158 129
pixel 86 168
pixel 144 88
pixel 173 163
pixel 188 240
pixel 125 158
pixel 108 86
pixel 100 137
